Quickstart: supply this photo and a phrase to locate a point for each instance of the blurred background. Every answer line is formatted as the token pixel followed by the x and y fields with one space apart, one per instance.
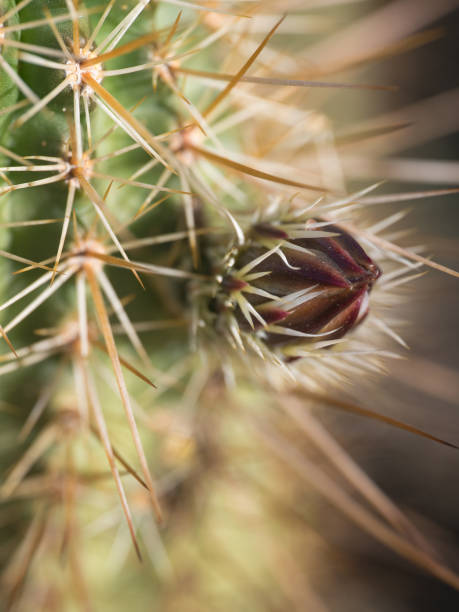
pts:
pixel 423 389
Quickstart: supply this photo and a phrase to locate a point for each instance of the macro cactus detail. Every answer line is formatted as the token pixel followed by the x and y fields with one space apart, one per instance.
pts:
pixel 313 285
pixel 181 247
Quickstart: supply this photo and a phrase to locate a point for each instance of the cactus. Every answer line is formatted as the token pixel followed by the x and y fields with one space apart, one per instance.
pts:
pixel 183 265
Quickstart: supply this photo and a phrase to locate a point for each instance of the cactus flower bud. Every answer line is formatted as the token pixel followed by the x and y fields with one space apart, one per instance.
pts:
pixel 303 289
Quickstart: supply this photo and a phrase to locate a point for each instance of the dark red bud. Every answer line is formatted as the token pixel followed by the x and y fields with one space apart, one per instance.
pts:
pixel 273 315
pixel 269 231
pixel 335 269
pixel 345 252
pixel 349 316
pixel 230 284
pixel 302 270
pixel 355 251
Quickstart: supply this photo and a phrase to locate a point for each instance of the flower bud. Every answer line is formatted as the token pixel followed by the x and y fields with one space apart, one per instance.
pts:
pixel 311 285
